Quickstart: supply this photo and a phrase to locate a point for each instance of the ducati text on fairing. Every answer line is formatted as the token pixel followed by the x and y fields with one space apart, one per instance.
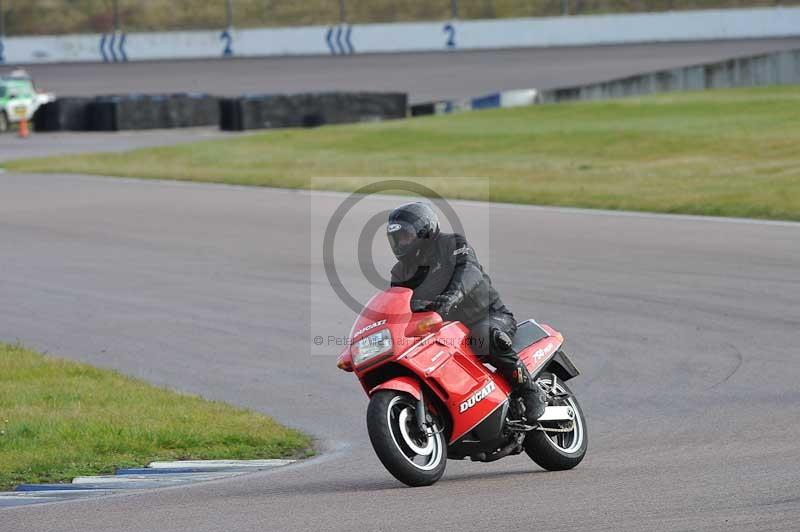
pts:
pixel 482 393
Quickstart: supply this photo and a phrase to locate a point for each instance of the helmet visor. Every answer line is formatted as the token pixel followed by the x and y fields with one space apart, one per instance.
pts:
pixel 402 238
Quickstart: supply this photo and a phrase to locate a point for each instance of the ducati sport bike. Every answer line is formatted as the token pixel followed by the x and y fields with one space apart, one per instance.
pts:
pixel 433 399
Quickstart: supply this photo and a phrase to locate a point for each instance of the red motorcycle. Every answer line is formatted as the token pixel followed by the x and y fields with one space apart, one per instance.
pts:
pixel 432 398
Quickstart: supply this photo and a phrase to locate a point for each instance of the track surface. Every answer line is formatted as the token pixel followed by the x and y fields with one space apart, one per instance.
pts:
pixel 425 76
pixel 44 144
pixel 685 329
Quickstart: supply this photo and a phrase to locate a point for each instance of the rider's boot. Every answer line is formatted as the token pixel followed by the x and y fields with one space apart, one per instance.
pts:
pixel 532 395
pixel 521 381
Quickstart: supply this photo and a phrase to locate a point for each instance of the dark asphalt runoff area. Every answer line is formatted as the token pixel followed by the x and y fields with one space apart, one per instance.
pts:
pixel 685 329
pixel 425 76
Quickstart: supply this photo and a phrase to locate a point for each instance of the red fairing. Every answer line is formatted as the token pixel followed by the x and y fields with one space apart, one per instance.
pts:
pixel 408 385
pixel 455 374
pixel 440 362
pixel 537 355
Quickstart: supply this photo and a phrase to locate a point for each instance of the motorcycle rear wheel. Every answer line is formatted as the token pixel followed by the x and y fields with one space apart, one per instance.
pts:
pixel 412 458
pixel 559 451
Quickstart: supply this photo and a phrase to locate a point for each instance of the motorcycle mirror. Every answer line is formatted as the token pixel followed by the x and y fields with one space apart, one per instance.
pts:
pixel 345 362
pixel 424 323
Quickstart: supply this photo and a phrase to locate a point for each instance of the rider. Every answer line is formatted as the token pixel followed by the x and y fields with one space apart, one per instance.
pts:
pixel 445 275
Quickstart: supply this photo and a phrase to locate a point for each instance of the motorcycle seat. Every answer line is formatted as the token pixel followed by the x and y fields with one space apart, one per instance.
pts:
pixel 528 333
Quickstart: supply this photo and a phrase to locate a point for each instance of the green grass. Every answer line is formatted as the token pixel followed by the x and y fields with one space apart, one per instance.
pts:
pixel 61 419
pixel 727 153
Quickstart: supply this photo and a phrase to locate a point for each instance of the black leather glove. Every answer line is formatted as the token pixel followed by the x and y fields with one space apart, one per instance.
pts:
pixel 445 303
pixel 420 305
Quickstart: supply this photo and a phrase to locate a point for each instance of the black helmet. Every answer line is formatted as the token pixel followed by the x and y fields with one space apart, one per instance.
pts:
pixel 409 226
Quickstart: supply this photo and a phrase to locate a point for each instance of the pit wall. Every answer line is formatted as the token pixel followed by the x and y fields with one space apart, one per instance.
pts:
pixel 407 37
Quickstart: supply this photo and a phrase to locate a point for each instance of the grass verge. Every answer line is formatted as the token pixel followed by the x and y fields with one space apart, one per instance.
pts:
pixel 61 419
pixel 727 153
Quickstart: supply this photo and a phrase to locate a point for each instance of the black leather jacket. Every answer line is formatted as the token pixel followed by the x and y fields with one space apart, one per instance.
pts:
pixel 448 264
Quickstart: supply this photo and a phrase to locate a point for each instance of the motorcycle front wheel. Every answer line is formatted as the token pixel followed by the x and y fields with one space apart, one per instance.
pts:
pixel 413 458
pixel 561 445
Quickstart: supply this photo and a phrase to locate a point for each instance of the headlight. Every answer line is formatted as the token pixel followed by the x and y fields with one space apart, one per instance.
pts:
pixel 372 346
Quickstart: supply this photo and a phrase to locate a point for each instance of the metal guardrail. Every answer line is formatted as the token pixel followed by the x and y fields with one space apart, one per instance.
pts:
pixel 52 17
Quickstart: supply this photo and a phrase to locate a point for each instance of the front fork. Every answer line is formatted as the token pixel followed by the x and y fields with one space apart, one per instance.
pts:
pixel 424 421
pixel 421 415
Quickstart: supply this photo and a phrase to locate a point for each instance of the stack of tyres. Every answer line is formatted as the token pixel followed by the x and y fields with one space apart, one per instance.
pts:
pixel 119 113
pixel 103 114
pixel 309 109
pixel 158 113
pixel 129 112
pixel 192 110
pixel 423 109
pixel 271 111
pixel 206 109
pixel 254 112
pixel 266 111
pixel 230 114
pixel 137 112
pixel 363 106
pixel 259 111
pixel 64 114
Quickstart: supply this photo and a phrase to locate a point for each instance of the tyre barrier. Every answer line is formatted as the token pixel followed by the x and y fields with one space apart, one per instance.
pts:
pixel 141 111
pixel 309 109
pixel 128 112
pixel 64 114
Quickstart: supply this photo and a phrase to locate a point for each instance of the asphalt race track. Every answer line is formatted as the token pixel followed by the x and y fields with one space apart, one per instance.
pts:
pixel 66 143
pixel 425 76
pixel 686 330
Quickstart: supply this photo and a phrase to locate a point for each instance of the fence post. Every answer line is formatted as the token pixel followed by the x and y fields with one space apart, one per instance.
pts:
pixel 342 12
pixel 565 7
pixel 454 9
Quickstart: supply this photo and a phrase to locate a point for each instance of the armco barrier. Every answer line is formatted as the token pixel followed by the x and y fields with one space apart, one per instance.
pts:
pixel 777 68
pixel 308 110
pixel 513 98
